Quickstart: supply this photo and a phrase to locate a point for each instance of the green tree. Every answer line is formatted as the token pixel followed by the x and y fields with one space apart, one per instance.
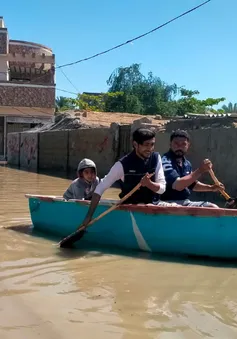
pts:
pixel 143 95
pixel 102 102
pixel 123 79
pixel 189 104
pixel 63 104
pixel 131 91
pixel 91 102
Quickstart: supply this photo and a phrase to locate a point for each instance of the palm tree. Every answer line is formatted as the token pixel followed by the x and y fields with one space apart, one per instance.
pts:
pixel 230 108
pixel 63 103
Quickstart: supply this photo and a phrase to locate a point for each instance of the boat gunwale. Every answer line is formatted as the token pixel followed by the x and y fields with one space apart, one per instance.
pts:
pixel 148 209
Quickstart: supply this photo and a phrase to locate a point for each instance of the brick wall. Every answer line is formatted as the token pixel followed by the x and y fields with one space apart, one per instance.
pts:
pixel 27 96
pixel 3 41
pixel 47 78
pixel 21 48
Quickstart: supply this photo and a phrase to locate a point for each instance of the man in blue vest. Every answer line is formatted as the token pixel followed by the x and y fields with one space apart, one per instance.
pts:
pixel 180 179
pixel 130 170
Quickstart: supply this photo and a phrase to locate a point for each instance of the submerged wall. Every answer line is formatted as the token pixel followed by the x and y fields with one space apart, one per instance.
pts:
pixel 62 150
pixel 53 150
pixel 29 149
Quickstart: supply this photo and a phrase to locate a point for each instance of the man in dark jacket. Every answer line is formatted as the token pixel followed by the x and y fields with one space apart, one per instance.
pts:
pixel 180 179
pixel 130 170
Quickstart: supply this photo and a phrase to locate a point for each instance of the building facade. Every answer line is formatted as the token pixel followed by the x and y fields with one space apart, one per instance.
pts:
pixel 27 85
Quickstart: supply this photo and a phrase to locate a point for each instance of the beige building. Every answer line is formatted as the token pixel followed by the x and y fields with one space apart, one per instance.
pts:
pixel 27 85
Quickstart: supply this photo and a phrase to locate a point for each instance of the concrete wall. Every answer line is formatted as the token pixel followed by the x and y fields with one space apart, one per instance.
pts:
pixel 13 149
pixel 53 150
pixel 125 143
pixel 62 150
pixel 97 144
pixel 1 135
pixel 199 123
pixel 29 150
pixel 162 142
pixel 217 144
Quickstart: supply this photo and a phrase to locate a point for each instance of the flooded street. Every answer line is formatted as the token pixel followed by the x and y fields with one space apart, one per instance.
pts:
pixel 47 293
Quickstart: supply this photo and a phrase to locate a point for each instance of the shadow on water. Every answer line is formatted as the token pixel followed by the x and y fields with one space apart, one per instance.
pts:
pixel 58 174
pixel 87 249
pixel 70 175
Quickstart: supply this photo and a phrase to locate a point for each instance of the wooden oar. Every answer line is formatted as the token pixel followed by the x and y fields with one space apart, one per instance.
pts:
pixel 231 202
pixel 217 182
pixel 77 235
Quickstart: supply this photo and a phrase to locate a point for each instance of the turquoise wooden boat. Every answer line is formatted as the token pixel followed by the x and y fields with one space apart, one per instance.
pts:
pixel 195 231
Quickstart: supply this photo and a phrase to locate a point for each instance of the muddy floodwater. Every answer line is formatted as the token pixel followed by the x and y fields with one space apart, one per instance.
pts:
pixel 51 294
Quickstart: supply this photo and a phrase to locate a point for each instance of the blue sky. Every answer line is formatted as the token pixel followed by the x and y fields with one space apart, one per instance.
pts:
pixel 197 51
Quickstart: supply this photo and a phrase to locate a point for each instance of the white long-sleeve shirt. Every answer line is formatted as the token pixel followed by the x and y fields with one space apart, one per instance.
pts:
pixel 117 173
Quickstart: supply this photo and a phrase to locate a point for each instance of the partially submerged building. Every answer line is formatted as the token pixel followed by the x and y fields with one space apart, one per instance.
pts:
pixel 27 85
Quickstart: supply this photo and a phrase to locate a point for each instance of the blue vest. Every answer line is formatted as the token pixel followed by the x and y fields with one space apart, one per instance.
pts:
pixel 134 169
pixel 172 171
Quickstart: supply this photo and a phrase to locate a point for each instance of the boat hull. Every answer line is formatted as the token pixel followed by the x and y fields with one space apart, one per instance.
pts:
pixel 183 230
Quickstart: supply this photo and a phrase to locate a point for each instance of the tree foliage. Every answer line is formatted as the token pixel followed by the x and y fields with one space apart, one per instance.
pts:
pixel 131 91
pixel 100 102
pixel 143 95
pixel 189 104
pixel 63 104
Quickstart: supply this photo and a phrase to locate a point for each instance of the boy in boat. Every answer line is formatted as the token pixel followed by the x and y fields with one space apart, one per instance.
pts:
pixel 180 178
pixel 83 187
pixel 132 169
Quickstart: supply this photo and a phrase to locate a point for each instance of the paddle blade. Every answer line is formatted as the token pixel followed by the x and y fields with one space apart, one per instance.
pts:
pixel 71 239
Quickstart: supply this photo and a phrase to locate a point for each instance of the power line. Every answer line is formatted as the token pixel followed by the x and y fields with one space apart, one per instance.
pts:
pixel 136 38
pixel 39 111
pixel 69 80
pixel 63 90
pixel 115 47
pixel 24 113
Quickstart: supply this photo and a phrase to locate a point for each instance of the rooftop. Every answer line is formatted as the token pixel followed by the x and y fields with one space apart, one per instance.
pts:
pixel 22 42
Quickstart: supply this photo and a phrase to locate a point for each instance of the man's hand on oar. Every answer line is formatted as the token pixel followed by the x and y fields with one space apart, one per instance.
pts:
pixel 84 224
pixel 218 187
pixel 72 238
pixel 230 202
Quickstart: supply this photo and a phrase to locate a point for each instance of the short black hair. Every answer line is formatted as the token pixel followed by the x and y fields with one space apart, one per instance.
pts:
pixel 179 133
pixel 143 134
